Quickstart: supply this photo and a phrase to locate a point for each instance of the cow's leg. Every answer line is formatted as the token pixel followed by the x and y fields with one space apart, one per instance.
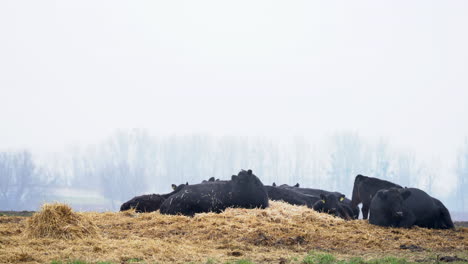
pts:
pixel 365 210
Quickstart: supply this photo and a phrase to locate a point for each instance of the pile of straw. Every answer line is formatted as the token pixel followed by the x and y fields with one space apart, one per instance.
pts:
pixel 280 233
pixel 59 221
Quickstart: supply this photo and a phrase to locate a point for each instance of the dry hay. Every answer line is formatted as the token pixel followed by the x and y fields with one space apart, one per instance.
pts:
pixel 280 232
pixel 59 221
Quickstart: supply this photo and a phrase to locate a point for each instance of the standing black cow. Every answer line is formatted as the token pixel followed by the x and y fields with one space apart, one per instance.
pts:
pixel 331 204
pixel 290 196
pixel 364 190
pixel 406 207
pixel 149 202
pixel 244 190
pixel 317 192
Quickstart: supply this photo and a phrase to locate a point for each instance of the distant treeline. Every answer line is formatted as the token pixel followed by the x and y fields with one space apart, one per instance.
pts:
pixel 130 163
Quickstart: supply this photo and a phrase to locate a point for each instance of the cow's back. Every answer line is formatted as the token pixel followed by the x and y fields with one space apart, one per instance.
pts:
pixel 365 188
pixel 198 198
pixel 215 197
pixel 290 196
pixel 428 211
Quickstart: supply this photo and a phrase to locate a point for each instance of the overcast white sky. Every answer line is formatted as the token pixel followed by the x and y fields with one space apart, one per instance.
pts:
pixel 74 71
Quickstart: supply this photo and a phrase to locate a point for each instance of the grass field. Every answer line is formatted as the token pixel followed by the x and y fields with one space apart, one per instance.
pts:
pixel 280 234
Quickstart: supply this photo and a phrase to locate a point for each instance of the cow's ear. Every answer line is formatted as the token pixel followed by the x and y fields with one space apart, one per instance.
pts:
pixel 274 185
pixel 174 187
pixel 233 177
pixel 342 197
pixel 249 172
pixel 186 183
pixel 405 194
pixel 322 196
pixel 297 185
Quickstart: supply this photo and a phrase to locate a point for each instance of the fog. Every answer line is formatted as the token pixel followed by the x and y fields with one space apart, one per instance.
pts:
pixel 212 87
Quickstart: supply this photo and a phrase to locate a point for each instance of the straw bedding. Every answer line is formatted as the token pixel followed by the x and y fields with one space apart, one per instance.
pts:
pixel 280 232
pixel 59 221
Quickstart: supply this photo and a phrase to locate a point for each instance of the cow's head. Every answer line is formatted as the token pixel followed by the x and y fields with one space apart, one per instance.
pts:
pixel 247 178
pixel 342 198
pixel 393 200
pixel 126 206
pixel 330 204
pixel 176 188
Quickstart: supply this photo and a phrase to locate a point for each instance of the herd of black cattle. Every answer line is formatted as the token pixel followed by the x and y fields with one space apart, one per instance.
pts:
pixel 389 204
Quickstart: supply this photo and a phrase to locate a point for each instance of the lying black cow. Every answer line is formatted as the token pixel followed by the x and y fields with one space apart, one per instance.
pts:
pixel 318 192
pixel 290 196
pixel 144 203
pixel 244 190
pixel 149 202
pixel 398 207
pixel 285 185
pixel 212 179
pixel 331 204
pixel 309 191
pixel 364 190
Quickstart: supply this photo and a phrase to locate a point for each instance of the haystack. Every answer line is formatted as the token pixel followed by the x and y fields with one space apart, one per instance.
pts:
pixel 59 221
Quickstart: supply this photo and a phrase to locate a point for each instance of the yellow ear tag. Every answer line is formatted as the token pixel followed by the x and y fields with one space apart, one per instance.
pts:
pixel 173 187
pixel 341 199
pixel 323 201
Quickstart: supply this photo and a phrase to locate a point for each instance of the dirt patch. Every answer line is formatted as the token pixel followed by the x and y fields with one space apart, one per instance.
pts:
pixel 273 235
pixel 452 259
pixel 412 248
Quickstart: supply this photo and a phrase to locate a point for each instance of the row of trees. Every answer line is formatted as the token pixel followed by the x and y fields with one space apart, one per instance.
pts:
pixel 20 181
pixel 130 163
pixel 462 173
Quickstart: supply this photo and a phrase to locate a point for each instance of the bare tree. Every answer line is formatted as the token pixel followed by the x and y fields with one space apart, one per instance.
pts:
pixel 346 160
pixel 382 160
pixel 124 165
pixel 17 180
pixel 405 172
pixel 462 176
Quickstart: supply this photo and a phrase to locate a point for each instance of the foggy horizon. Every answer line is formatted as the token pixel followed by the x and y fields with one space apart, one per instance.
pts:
pixel 72 74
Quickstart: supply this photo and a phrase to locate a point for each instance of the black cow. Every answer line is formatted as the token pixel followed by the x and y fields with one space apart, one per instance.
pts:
pixel 244 190
pixel 318 192
pixel 364 190
pixel 290 196
pixel 285 185
pixel 212 179
pixel 333 205
pixel 149 202
pixel 398 207
pixel 309 191
pixel 144 203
